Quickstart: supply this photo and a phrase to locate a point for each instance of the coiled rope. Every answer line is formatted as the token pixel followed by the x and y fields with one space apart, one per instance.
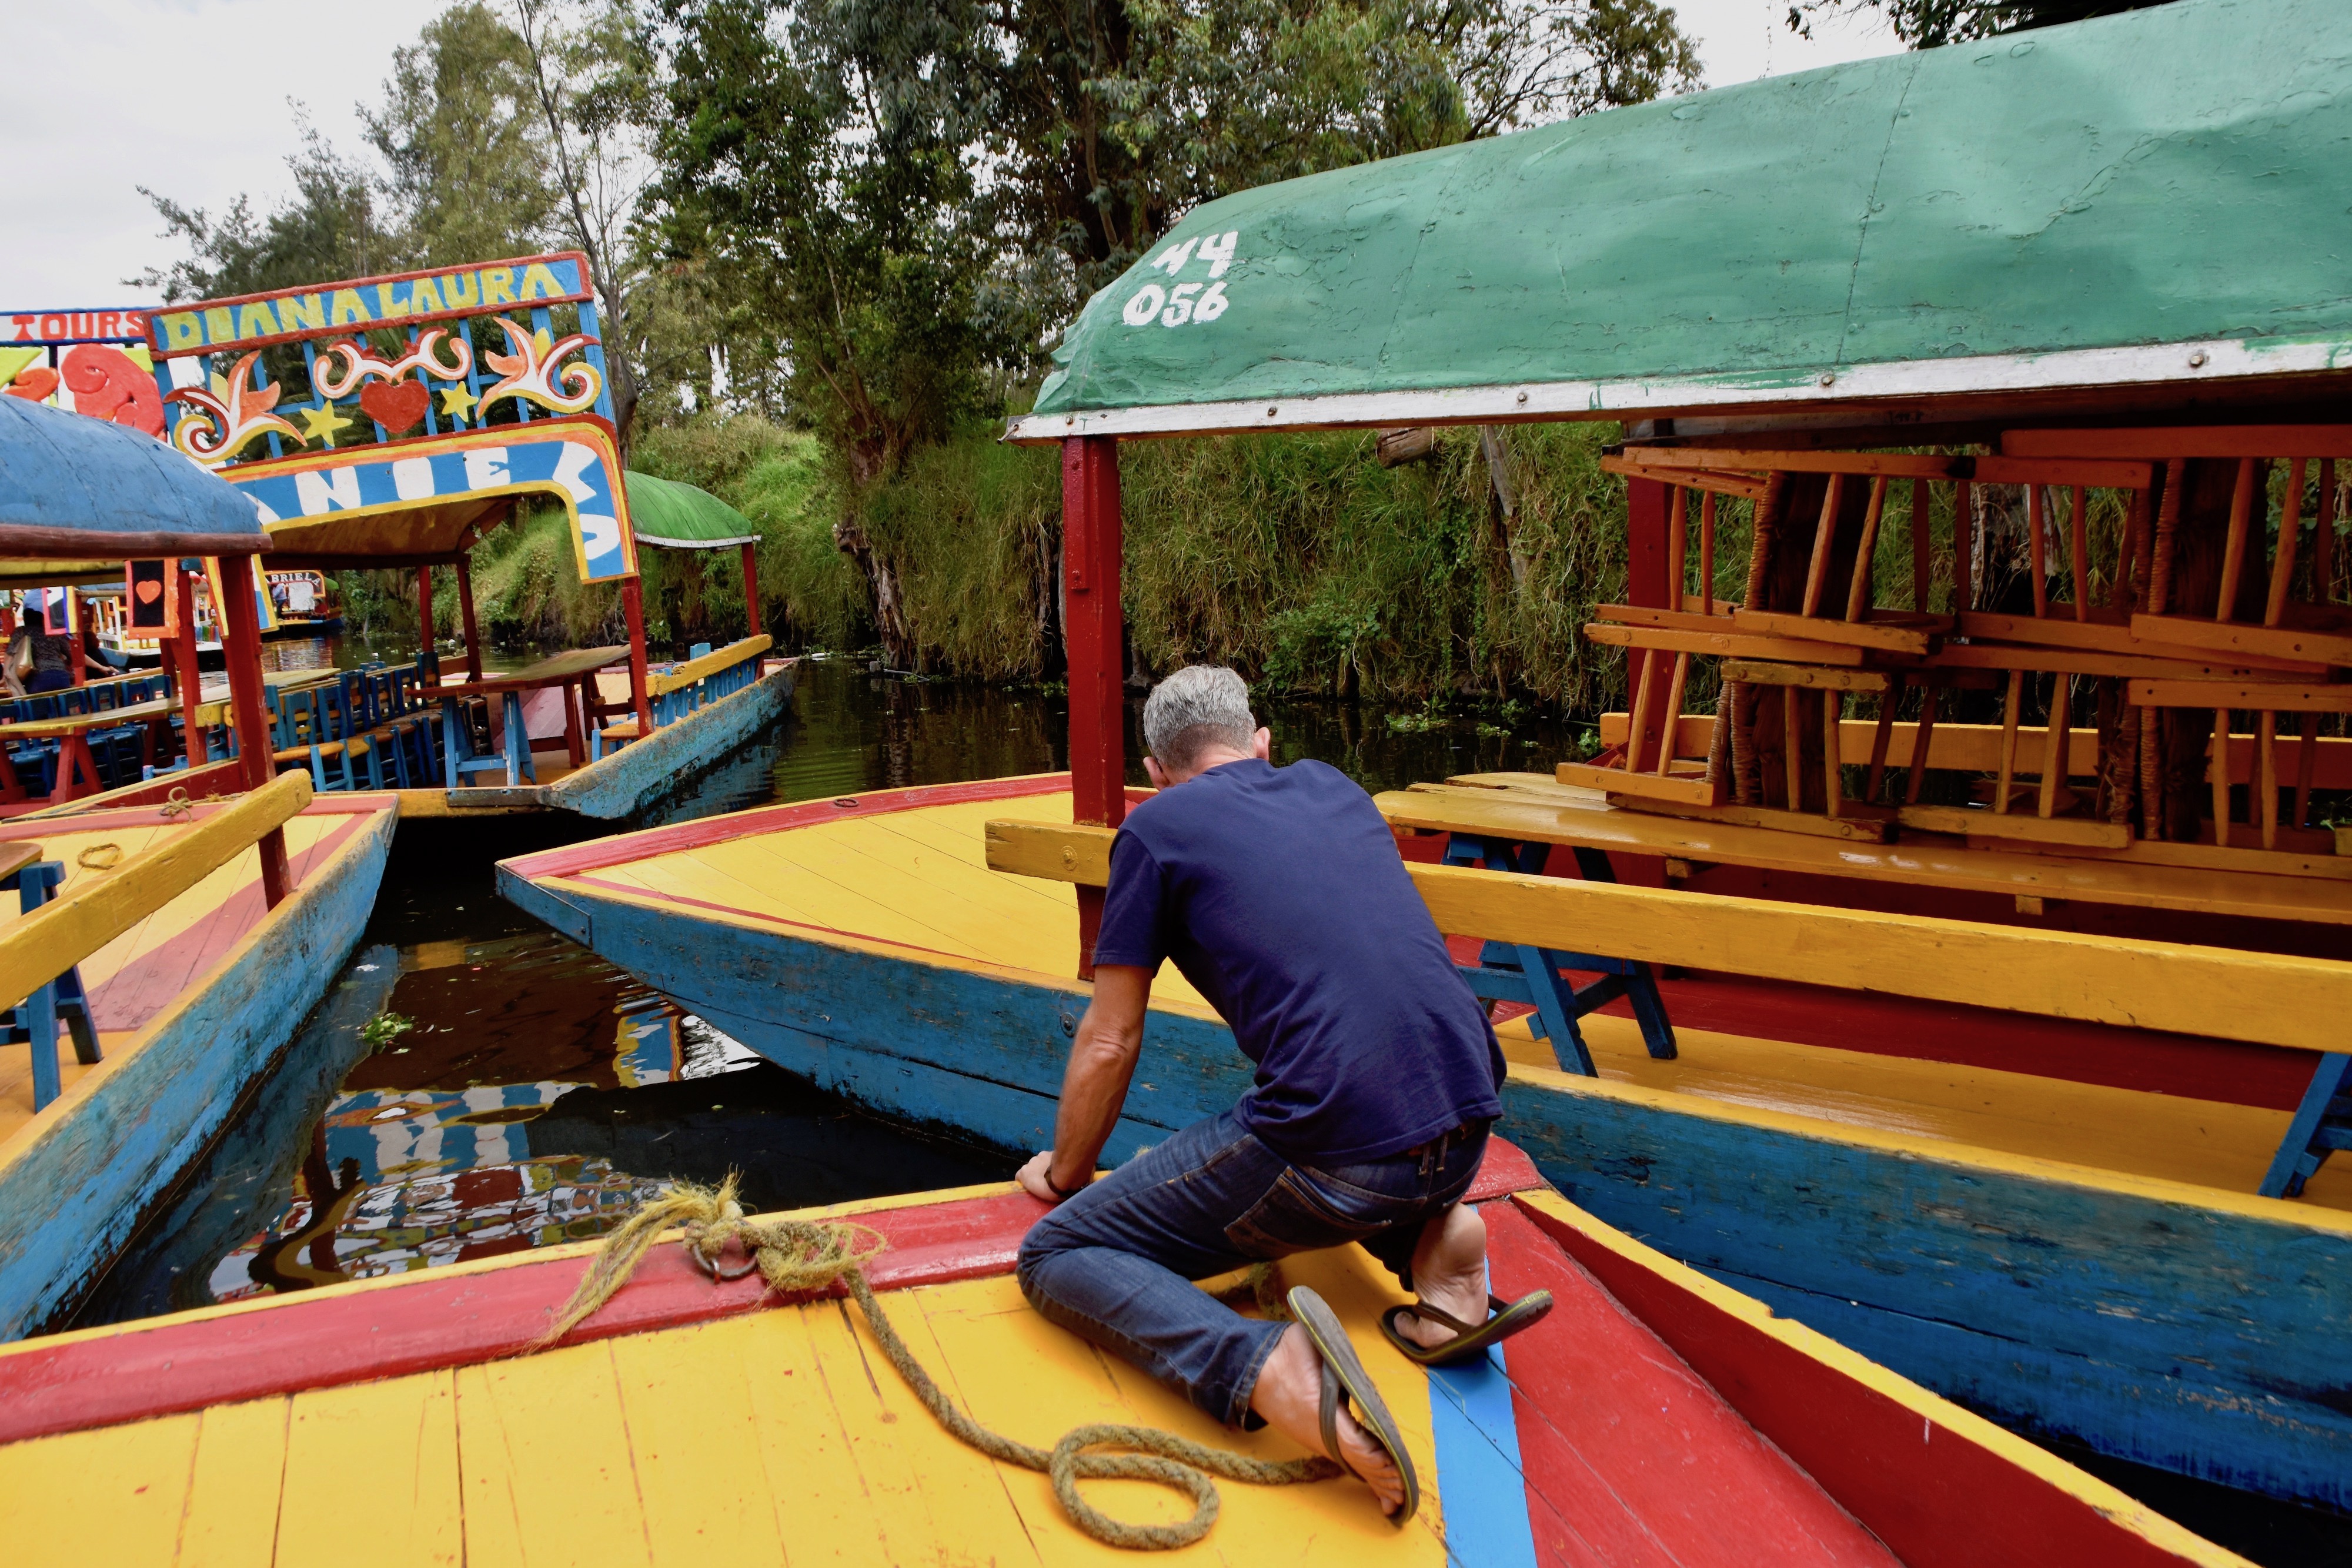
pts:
pixel 799 1255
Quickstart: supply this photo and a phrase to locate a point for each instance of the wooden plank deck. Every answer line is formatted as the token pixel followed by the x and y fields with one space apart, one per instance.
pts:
pixel 700 1423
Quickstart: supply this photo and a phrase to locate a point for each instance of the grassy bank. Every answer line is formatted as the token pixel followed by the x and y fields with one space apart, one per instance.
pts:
pixel 1295 557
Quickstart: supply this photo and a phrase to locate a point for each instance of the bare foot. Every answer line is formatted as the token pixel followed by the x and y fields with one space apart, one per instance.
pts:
pixel 1289 1396
pixel 1449 1272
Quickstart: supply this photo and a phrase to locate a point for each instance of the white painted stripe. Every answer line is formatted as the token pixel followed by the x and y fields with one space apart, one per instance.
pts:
pixel 2179 363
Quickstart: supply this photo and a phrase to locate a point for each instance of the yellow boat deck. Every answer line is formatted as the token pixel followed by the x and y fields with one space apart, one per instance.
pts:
pixel 778 1436
pixel 147 967
pixel 915 882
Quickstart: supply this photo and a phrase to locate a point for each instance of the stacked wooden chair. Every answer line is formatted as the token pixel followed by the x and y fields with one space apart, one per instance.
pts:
pixel 2112 635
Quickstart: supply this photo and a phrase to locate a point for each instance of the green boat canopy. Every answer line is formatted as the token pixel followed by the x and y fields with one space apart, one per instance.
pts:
pixel 680 517
pixel 2146 200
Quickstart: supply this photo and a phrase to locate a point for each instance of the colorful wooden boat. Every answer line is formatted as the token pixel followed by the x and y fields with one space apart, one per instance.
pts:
pixel 2059 1252
pixel 498 396
pixel 175 937
pixel 1656 1413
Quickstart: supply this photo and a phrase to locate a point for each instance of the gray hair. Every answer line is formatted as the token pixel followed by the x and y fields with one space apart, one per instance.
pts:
pixel 1198 707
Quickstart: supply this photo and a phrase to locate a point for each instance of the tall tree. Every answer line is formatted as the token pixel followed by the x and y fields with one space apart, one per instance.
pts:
pixel 591 69
pixel 329 227
pixel 1929 24
pixel 820 188
pixel 1109 119
pixel 461 134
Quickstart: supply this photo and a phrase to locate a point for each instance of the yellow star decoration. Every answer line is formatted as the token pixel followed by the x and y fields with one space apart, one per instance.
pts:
pixel 457 402
pixel 319 425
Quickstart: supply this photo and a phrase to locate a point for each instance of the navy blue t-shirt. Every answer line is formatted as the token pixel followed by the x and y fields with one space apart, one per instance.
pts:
pixel 1279 894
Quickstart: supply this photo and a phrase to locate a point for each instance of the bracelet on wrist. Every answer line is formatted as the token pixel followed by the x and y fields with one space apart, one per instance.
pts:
pixel 1057 1190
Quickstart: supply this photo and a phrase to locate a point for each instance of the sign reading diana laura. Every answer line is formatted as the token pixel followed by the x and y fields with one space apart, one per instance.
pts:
pixel 338 309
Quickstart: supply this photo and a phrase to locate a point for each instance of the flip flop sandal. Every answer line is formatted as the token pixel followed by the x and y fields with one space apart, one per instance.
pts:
pixel 1344 1377
pixel 1470 1339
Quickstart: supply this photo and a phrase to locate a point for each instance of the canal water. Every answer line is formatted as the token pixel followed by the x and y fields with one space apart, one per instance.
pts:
pixel 475 1083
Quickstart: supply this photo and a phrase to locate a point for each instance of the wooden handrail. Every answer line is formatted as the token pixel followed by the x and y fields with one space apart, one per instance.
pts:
pixel 38 947
pixel 711 663
pixel 2265 998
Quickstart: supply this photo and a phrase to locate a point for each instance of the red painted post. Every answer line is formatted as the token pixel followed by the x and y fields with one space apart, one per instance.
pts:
pixel 1646 571
pixel 241 646
pixel 751 588
pixel 190 668
pixel 73 628
pixel 466 616
pixel 632 606
pixel 1091 627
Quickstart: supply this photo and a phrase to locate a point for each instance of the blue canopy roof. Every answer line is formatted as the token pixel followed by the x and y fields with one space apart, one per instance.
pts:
pixel 72 484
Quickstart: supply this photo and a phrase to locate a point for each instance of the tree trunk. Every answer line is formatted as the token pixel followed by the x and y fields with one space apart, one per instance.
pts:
pixel 882 577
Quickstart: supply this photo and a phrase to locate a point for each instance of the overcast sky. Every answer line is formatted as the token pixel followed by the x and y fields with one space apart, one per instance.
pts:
pixel 188 97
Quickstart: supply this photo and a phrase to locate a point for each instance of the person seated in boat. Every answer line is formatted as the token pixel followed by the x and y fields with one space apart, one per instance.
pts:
pixel 38 660
pixel 1280 895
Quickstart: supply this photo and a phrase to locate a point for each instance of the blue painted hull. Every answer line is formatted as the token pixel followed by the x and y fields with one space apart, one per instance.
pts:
pixel 638 775
pixel 73 1194
pixel 2212 1338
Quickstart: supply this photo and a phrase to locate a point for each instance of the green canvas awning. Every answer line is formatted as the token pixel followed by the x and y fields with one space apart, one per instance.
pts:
pixel 2158 197
pixel 680 517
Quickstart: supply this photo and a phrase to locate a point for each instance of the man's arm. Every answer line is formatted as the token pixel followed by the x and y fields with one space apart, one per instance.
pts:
pixel 1094 1086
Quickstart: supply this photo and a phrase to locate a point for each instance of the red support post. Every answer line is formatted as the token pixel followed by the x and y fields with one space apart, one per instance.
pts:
pixel 633 607
pixel 751 588
pixel 1647 569
pixel 1092 628
pixel 191 667
pixel 241 646
pixel 465 615
pixel 73 609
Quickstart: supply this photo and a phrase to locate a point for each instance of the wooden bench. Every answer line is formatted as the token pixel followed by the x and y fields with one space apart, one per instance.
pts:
pixel 49 941
pixel 2195 878
pixel 2256 998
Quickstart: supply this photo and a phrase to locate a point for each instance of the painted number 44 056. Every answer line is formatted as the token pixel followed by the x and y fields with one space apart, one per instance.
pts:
pixel 1180 302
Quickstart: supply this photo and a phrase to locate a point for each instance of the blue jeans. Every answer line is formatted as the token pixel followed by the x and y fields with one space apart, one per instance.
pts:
pixel 1115 1264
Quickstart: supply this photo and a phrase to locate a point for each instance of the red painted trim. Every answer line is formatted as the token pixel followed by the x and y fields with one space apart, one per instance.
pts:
pixel 153 981
pixel 621 849
pixel 1628 1455
pixel 1506 1169
pixel 424 1322
pixel 1932 1495
pixel 335 805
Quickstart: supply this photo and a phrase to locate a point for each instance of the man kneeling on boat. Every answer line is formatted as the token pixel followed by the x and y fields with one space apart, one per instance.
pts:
pixel 1280 895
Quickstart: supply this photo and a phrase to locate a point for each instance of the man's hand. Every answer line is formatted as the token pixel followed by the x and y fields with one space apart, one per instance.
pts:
pixel 1037 1178
pixel 1094 1086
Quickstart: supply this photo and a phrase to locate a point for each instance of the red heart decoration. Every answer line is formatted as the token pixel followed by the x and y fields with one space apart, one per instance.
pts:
pixel 148 590
pixel 398 406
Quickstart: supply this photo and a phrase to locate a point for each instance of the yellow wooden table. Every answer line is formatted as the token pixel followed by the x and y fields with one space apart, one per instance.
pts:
pixel 71 731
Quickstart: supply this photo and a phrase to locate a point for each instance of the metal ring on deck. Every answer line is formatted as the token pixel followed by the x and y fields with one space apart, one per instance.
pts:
pixel 716 1269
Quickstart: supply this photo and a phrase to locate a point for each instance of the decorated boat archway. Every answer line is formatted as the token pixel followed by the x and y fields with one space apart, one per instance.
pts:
pixel 393 422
